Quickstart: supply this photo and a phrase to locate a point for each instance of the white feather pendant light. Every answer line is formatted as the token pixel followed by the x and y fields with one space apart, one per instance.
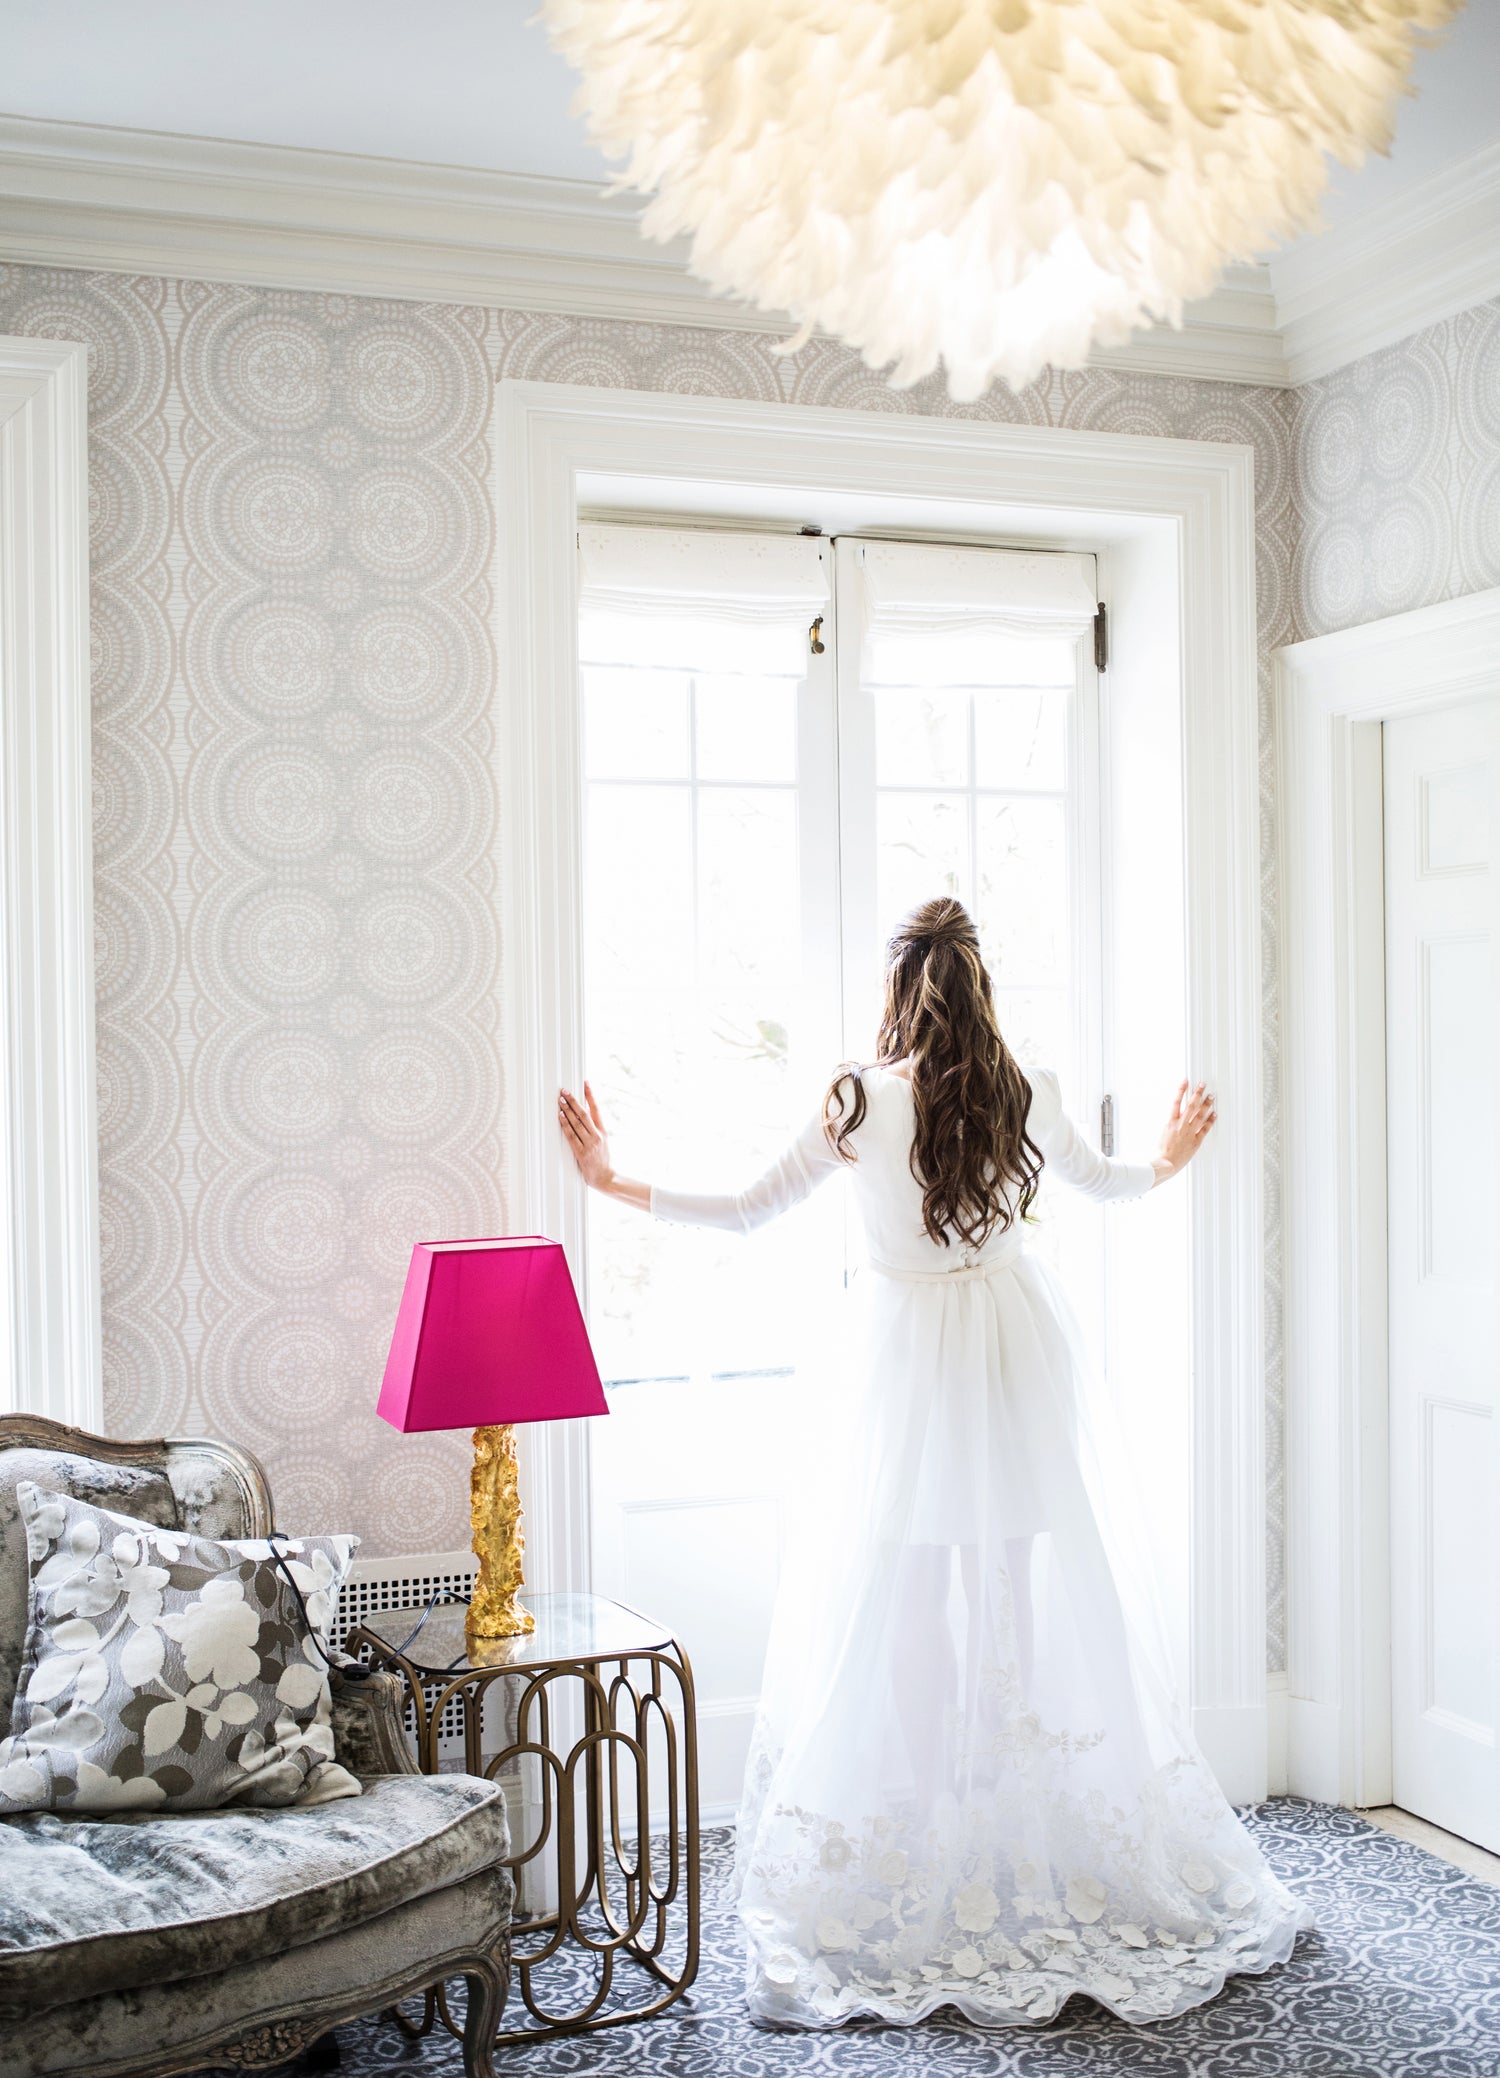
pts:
pixel 996 184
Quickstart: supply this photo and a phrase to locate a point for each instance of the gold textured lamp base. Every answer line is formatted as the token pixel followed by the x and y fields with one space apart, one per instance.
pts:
pixel 495 1609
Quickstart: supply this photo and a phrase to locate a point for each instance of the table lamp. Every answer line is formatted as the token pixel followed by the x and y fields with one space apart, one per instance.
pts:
pixel 489 1334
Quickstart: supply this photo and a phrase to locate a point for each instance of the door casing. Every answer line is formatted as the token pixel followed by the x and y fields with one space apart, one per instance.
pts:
pixel 1173 524
pixel 51 1349
pixel 1331 696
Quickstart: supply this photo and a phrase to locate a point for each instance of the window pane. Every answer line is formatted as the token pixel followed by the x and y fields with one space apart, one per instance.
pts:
pixel 747 889
pixel 697 1093
pixel 1023 891
pixel 626 1027
pixel 922 850
pixel 970 657
pixel 921 737
pixel 635 723
pixel 1021 739
pixel 1034 1024
pixel 693 997
pixel 639 867
pixel 747 729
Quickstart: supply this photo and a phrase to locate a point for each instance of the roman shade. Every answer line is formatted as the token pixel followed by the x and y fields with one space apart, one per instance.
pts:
pixel 700 599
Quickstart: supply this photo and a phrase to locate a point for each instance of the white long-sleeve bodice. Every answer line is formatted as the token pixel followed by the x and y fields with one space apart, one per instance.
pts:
pixel 889 1196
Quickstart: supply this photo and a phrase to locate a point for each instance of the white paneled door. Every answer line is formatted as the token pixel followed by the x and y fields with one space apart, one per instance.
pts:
pixel 1442 863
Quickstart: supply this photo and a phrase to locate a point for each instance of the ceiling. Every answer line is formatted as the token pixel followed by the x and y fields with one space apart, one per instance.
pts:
pixel 474 83
pixel 450 82
pixel 1452 113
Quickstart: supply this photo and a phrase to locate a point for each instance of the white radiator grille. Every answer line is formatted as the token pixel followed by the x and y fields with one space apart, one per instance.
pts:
pixel 376 1586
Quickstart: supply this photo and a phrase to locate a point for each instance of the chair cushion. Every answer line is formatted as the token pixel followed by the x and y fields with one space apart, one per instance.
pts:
pixel 93 1905
pixel 139 1490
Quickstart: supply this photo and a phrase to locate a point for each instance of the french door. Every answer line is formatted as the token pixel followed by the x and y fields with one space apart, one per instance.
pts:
pixel 751 836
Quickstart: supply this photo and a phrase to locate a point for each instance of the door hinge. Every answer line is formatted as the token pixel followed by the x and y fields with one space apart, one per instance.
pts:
pixel 1101 638
pixel 1107 1126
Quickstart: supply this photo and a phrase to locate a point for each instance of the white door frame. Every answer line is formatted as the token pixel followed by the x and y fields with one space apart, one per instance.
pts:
pixel 1331 695
pixel 50 1357
pixel 1176 515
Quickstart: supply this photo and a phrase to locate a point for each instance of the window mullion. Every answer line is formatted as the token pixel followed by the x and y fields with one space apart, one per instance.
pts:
pixel 693 838
pixel 973 808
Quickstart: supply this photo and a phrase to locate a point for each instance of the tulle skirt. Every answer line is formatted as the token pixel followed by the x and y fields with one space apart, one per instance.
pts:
pixel 970 1784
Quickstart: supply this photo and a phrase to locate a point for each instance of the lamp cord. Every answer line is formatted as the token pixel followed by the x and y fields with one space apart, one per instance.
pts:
pixel 356 1669
pixel 438 1595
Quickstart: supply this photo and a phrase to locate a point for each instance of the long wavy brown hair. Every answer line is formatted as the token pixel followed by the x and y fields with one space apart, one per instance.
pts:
pixel 970 1152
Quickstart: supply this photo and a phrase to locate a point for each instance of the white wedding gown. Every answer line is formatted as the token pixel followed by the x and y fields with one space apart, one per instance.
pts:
pixel 969 1783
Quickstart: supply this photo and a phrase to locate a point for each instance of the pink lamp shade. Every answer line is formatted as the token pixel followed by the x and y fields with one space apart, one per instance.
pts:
pixel 489 1332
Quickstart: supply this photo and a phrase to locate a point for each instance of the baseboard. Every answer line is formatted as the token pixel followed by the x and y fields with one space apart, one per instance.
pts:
pixel 1277 1784
pixel 1234 1743
pixel 1315 1751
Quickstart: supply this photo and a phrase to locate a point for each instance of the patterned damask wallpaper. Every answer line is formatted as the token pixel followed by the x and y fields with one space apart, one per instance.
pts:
pixel 1396 477
pixel 295 811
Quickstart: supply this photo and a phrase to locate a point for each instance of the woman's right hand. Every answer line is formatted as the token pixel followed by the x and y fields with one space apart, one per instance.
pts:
pixel 583 1129
pixel 1184 1132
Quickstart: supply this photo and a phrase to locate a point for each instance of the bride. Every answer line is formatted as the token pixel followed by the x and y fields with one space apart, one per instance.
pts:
pixel 969 1784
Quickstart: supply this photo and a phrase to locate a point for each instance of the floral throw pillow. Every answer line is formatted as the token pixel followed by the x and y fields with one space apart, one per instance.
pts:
pixel 166 1671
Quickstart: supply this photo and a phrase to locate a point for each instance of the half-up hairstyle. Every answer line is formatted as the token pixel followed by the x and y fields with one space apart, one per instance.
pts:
pixel 978 1169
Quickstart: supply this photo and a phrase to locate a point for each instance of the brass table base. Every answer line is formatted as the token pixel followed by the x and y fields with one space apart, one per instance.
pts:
pixel 619 1888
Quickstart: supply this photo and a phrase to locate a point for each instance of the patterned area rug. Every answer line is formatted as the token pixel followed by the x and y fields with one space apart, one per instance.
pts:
pixel 1401 1979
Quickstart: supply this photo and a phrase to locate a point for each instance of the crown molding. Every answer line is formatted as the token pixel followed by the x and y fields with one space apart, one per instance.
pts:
pixel 134 201
pixel 199 208
pixel 1370 283
pixel 1230 336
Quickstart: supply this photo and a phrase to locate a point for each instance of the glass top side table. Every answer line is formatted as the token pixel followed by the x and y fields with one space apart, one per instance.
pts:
pixel 599 1741
pixel 568 1627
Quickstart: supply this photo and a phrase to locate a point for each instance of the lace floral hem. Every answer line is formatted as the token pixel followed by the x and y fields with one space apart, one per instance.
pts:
pixel 997 1986
pixel 1147 1910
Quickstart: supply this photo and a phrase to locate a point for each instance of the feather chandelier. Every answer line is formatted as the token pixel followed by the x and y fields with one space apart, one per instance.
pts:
pixel 993 184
